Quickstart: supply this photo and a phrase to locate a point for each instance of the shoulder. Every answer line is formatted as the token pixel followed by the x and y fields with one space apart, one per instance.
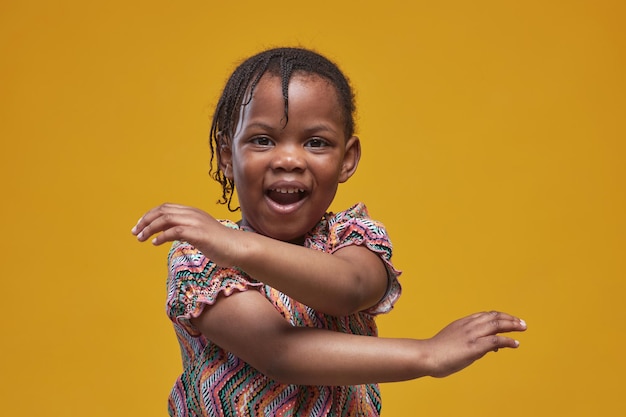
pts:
pixel 357 211
pixel 356 224
pixel 194 282
pixel 353 226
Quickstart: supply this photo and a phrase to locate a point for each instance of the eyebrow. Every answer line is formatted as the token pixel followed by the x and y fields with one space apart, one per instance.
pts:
pixel 320 127
pixel 259 125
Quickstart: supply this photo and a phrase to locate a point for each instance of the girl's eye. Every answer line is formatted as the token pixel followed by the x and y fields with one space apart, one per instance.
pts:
pixel 316 143
pixel 262 141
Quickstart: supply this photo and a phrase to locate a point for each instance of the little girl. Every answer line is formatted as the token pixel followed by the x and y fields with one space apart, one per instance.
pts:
pixel 275 313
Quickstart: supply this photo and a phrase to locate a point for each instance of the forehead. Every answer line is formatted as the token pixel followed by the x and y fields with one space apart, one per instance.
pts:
pixel 297 82
pixel 309 96
pixel 284 83
pixel 302 90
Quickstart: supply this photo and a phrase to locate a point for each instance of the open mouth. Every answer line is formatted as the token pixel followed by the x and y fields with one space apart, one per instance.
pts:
pixel 286 196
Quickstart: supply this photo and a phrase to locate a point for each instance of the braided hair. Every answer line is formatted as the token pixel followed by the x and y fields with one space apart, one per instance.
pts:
pixel 239 89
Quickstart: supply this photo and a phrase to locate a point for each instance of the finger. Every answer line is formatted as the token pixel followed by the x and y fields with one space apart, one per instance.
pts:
pixel 495 342
pixel 497 326
pixel 166 221
pixel 493 313
pixel 498 318
pixel 179 232
pixel 155 213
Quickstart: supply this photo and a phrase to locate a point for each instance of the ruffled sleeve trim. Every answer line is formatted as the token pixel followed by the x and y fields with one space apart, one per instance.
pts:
pixel 355 227
pixel 195 282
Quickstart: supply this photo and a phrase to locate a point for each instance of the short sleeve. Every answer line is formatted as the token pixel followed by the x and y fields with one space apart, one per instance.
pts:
pixel 194 282
pixel 355 227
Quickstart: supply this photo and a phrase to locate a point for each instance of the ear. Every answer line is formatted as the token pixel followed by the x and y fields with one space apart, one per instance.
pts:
pixel 350 158
pixel 225 155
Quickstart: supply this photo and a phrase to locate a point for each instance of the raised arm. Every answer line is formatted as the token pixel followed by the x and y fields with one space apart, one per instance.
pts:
pixel 350 280
pixel 309 356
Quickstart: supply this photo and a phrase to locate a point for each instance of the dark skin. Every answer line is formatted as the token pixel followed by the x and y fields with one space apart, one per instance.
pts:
pixel 310 156
pixel 332 358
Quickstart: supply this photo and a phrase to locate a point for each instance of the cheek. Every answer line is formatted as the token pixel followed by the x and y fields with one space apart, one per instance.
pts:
pixel 246 173
pixel 328 170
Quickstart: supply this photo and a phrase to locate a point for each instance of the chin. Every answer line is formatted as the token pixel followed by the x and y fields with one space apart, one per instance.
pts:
pixel 286 229
pixel 297 238
pixel 290 235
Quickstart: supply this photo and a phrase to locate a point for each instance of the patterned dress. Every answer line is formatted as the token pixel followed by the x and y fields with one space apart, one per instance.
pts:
pixel 215 382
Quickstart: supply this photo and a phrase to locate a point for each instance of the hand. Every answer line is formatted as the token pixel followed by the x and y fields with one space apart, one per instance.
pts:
pixel 172 222
pixel 464 341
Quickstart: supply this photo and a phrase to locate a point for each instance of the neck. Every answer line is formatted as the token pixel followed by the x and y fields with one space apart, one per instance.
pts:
pixel 246 226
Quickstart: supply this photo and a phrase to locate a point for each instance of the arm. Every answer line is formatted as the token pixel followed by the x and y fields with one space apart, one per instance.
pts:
pixel 310 356
pixel 306 275
pixel 351 279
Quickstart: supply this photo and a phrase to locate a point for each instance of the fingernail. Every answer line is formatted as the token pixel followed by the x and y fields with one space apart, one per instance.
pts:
pixel 133 230
pixel 516 343
pixel 523 323
pixel 140 235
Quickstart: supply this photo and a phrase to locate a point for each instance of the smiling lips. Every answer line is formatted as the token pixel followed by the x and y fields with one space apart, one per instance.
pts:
pixel 286 196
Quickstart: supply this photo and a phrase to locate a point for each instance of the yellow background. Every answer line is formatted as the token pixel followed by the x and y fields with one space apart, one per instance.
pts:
pixel 494 151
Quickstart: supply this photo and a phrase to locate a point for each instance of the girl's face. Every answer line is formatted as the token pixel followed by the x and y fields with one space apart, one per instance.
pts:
pixel 286 175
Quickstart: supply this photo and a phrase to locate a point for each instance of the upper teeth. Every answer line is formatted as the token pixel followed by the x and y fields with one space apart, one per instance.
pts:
pixel 288 190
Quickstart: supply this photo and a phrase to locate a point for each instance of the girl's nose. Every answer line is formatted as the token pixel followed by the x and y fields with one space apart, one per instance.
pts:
pixel 288 158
